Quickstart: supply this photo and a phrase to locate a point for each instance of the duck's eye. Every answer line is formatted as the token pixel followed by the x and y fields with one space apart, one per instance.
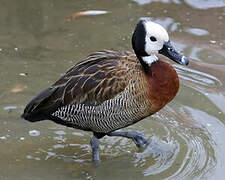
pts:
pixel 152 38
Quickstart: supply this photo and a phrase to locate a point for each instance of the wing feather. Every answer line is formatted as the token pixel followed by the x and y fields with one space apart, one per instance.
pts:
pixel 101 76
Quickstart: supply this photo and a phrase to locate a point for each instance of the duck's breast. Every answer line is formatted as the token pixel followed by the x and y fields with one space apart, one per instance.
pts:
pixel 163 84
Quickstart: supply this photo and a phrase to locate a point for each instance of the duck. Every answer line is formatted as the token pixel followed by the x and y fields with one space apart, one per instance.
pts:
pixel 110 90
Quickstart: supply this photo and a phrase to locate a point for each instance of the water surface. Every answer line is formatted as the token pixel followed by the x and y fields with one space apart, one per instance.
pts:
pixel 38 44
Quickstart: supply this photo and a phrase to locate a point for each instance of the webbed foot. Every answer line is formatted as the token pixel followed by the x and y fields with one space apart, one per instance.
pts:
pixel 138 138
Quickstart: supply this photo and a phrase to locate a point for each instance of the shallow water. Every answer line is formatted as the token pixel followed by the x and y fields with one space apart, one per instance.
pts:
pixel 38 44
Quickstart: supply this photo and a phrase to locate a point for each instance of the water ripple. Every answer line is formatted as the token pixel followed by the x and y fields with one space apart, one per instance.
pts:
pixel 188 151
pixel 197 77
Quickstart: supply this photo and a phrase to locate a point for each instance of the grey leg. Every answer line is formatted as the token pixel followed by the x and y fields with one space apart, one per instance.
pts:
pixel 139 139
pixel 94 145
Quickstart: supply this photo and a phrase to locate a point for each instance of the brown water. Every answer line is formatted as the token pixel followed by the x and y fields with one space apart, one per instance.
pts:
pixel 38 44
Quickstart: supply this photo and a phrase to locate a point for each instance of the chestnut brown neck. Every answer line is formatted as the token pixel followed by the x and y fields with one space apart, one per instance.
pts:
pixel 163 84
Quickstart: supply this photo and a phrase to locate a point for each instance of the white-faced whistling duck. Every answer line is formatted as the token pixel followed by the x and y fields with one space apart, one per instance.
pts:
pixel 110 90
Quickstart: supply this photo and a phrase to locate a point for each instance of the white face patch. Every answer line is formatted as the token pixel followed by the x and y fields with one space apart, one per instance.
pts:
pixel 156 30
pixel 159 33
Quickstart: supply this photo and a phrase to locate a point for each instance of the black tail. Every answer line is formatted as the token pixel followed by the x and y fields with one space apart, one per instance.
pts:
pixel 41 106
pixel 33 117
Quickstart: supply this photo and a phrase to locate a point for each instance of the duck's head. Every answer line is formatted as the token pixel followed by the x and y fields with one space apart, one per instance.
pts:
pixel 149 39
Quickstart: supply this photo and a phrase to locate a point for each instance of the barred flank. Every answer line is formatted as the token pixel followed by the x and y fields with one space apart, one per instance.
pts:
pixel 113 114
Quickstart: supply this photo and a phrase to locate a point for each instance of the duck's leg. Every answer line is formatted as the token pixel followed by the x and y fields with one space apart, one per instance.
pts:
pixel 139 139
pixel 94 146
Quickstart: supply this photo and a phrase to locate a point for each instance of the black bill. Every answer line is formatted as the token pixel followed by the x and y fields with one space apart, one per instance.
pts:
pixel 169 51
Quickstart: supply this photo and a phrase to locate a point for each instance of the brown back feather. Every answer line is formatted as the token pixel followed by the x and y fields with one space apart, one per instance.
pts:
pixel 101 76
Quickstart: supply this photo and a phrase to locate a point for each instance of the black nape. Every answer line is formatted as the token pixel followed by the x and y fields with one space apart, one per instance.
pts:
pixel 138 44
pixel 138 39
